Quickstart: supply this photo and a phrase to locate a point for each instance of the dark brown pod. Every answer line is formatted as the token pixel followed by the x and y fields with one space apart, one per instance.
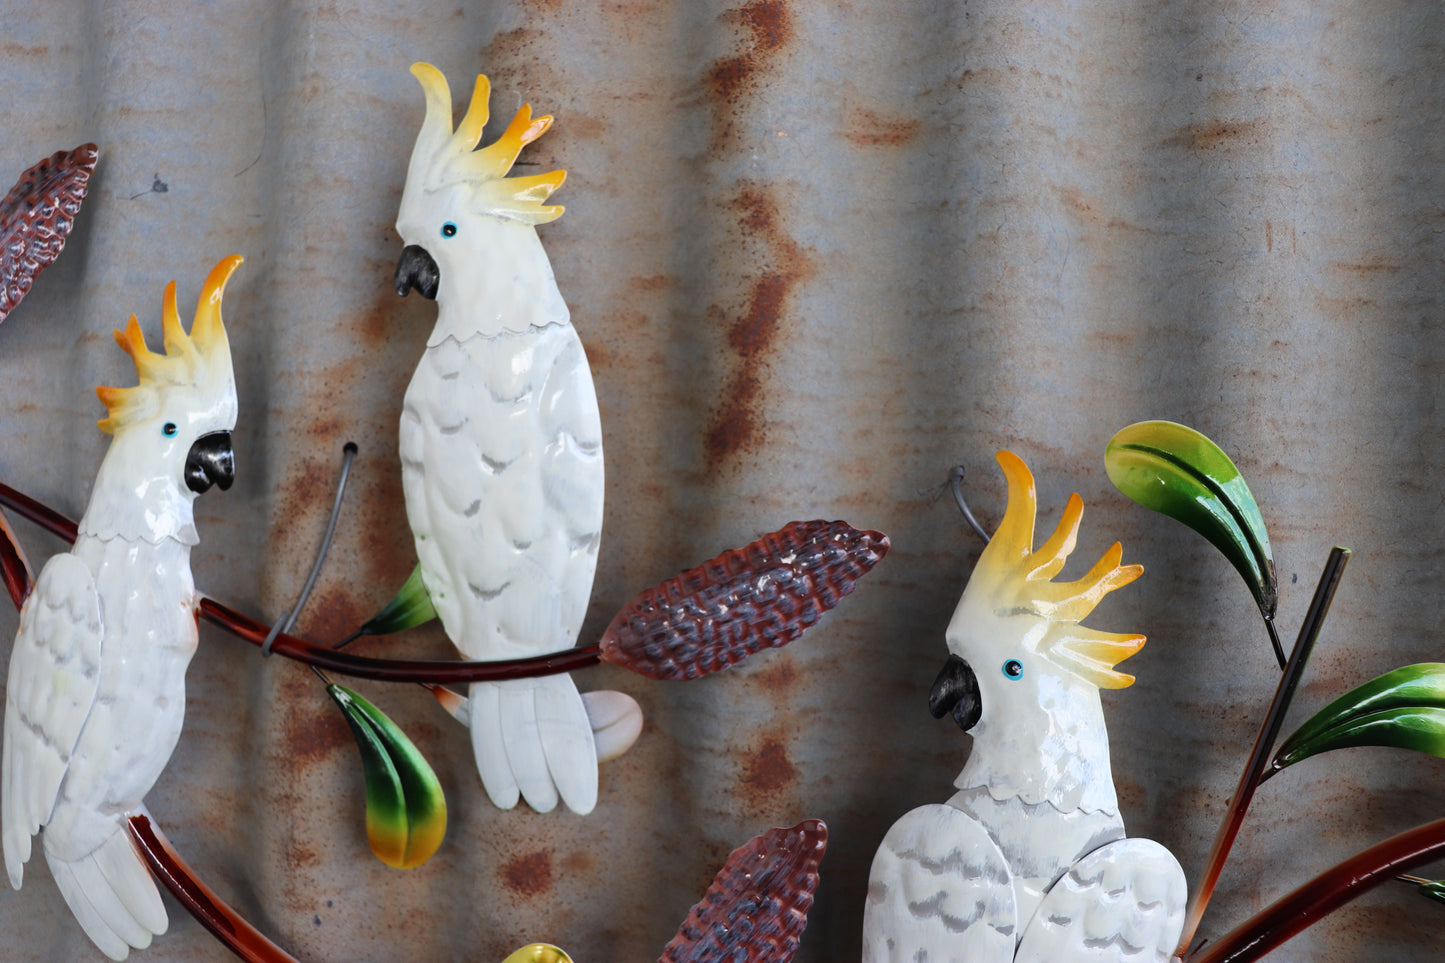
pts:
pixel 760 596
pixel 36 217
pixel 757 906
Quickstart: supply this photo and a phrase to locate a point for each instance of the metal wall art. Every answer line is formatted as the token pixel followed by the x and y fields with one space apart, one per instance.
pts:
pixel 1028 859
pixel 502 473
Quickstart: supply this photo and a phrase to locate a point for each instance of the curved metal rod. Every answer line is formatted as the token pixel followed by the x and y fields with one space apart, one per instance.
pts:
pixel 288 619
pixel 955 484
pixel 1326 893
pixel 224 923
pixel 13 570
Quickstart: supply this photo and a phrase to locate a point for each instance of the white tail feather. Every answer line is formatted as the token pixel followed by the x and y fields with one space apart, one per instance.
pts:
pixel 112 895
pixel 532 738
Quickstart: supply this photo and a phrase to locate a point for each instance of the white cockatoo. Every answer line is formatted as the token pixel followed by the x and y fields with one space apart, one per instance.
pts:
pixel 96 690
pixel 501 447
pixel 1028 860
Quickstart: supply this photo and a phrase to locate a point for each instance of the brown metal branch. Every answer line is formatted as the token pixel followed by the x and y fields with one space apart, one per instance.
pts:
pixel 224 923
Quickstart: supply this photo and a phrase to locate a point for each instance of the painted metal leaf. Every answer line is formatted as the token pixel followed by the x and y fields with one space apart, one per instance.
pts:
pixel 757 907
pixel 406 811
pixel 1435 889
pixel 1404 708
pixel 411 607
pixel 763 595
pixel 36 218
pixel 1179 472
pixel 538 953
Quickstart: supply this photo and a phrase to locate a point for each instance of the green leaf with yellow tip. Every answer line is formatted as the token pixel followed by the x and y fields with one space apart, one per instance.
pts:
pixel 1178 472
pixel 1404 708
pixel 406 811
pixel 411 607
pixel 539 953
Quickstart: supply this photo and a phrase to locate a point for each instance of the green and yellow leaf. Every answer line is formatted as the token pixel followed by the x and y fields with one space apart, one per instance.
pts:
pixel 406 811
pixel 1178 472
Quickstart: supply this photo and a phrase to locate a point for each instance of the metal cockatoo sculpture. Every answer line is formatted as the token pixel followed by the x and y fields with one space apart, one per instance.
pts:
pixel 1028 860
pixel 501 446
pixel 96 690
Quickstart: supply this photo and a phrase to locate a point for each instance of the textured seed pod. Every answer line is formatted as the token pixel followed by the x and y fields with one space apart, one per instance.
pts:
pixel 760 596
pixel 757 907
pixel 36 217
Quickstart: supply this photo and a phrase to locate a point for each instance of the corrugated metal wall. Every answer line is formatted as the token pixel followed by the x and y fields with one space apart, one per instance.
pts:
pixel 818 252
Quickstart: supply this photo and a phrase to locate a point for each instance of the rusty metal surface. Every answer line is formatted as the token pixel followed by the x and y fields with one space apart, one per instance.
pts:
pixel 818 253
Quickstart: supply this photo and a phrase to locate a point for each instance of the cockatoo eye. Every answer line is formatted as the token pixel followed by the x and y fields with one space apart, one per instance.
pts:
pixel 169 429
pixel 449 229
pixel 1013 669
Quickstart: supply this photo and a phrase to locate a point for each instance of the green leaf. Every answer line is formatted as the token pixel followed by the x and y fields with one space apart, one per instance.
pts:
pixel 1433 890
pixel 411 607
pixel 406 811
pixel 1404 708
pixel 1177 471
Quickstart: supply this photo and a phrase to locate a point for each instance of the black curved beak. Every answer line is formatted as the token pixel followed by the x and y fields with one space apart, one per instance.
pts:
pixel 416 269
pixel 211 461
pixel 955 691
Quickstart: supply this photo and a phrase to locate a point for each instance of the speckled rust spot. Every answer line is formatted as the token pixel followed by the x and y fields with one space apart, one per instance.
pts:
pixel 770 769
pixel 867 129
pixel 316 736
pixel 738 424
pixel 529 875
pixel 780 677
pixel 768 29
pixel 1218 133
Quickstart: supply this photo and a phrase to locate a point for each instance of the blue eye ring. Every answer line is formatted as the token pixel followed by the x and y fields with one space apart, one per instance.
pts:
pixel 1013 669
pixel 169 429
pixel 449 229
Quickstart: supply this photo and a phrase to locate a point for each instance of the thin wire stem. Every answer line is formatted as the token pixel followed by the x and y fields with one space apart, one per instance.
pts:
pixel 1274 640
pixel 287 619
pixel 955 483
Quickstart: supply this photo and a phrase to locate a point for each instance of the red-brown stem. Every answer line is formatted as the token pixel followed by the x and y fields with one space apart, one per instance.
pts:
pixel 1259 756
pixel 42 515
pixel 210 910
pixel 1326 893
pixel 13 569
pixel 439 672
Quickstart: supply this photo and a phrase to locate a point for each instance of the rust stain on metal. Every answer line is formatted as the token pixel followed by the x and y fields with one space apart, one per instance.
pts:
pixel 315 734
pixel 780 677
pixel 768 25
pixel 769 769
pixel 738 424
pixel 867 129
pixel 530 875
pixel 1218 133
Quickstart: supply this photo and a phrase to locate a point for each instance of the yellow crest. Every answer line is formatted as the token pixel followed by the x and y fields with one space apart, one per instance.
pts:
pixel 199 360
pixel 1019 580
pixel 443 157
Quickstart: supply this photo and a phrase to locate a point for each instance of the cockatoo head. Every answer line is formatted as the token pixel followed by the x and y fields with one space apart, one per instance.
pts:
pixel 172 431
pixel 468 228
pixel 1022 673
